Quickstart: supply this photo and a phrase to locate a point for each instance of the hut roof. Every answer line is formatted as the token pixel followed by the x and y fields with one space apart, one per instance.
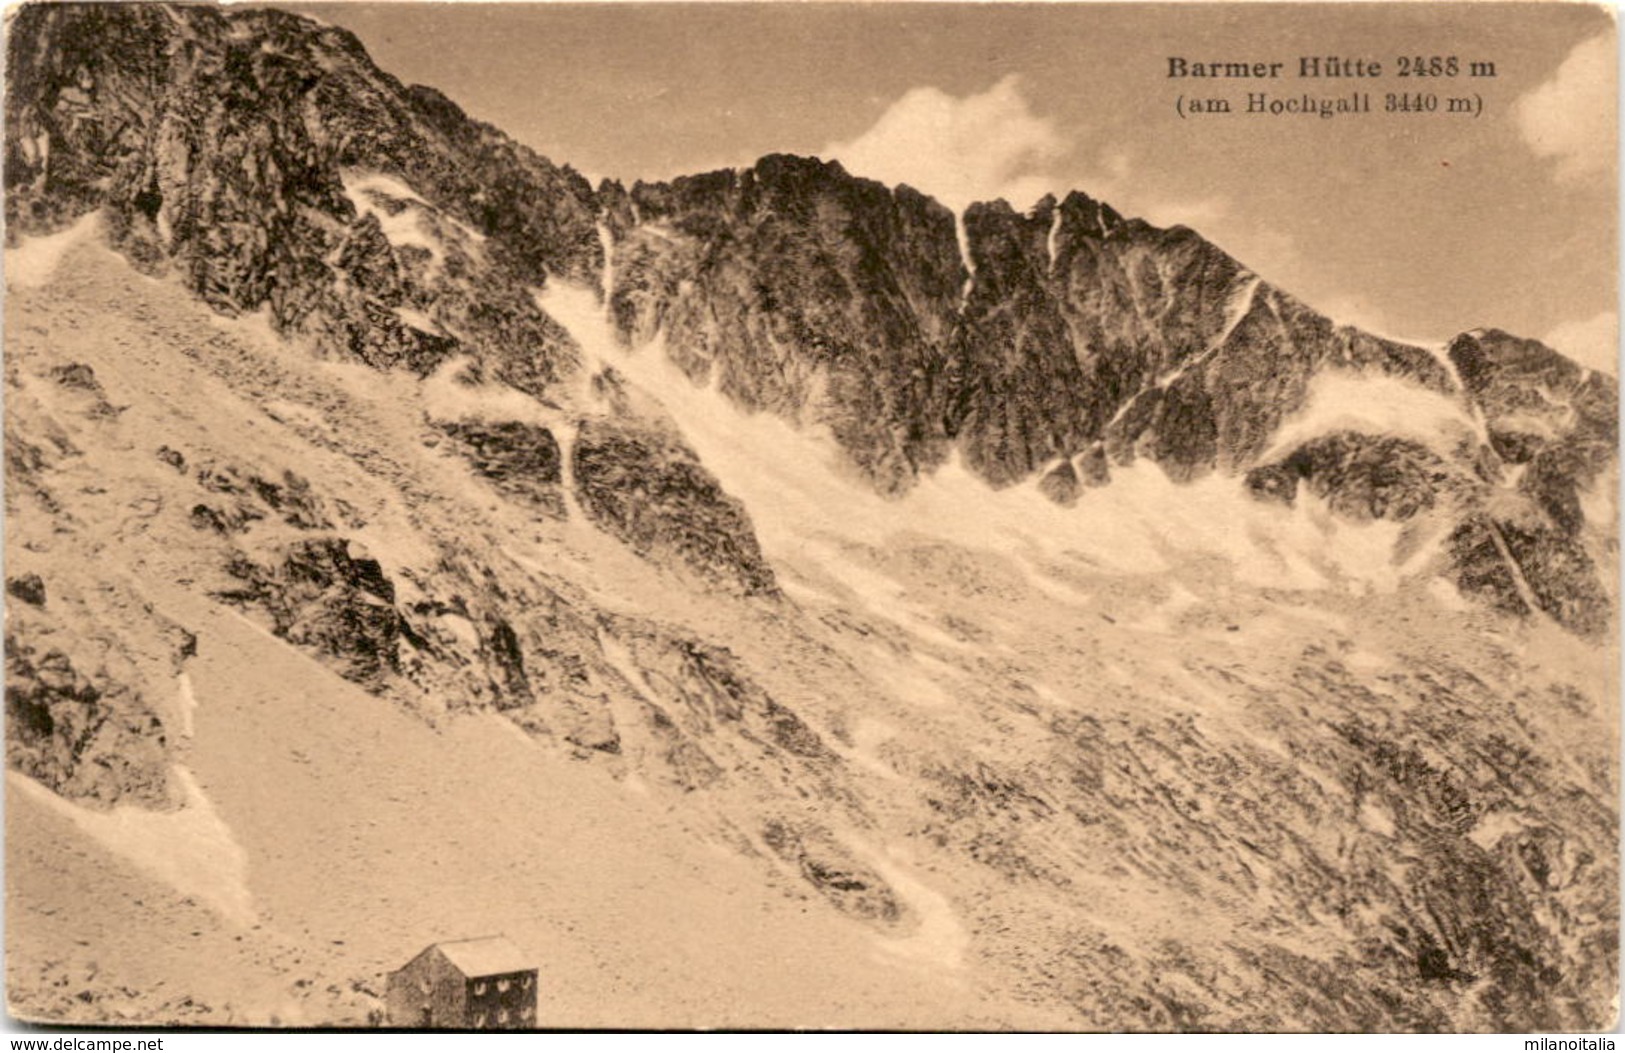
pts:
pixel 486 956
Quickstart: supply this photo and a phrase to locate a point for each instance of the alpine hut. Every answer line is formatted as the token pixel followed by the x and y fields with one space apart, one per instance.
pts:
pixel 485 984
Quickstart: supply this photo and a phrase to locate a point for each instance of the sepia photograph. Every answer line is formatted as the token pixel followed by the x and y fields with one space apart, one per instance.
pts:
pixel 923 517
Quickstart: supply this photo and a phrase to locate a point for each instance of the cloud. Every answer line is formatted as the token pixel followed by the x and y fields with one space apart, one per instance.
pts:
pixel 1353 309
pixel 960 150
pixel 1117 180
pixel 1570 117
pixel 1593 342
pixel 991 145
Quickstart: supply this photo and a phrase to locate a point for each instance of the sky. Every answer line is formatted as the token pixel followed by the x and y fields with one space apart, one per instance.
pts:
pixel 1417 225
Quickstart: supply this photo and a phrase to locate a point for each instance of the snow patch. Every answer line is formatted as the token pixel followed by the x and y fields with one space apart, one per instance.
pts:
pixel 186 704
pixel 1599 503
pixel 402 229
pixel 1440 351
pixel 1376 817
pixel 1538 424
pixel 1338 400
pixel 962 237
pixel 448 396
pixel 940 939
pixel 417 224
pixel 33 263
pixel 463 629
pixel 606 283
pixel 1494 827
pixel 417 320
pixel 577 308
pixel 359 186
pixel 191 849
pixel 1448 596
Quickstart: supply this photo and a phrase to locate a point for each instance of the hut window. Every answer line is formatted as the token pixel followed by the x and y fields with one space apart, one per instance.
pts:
pixel 503 985
pixel 479 987
pixel 502 1016
pixel 524 983
pixel 526 1013
pixel 424 985
pixel 479 1020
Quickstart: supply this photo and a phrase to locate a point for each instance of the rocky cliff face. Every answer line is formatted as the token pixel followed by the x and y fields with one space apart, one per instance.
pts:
pixel 1160 797
pixel 1362 477
pixel 798 289
pixel 243 149
pixel 812 293
pixel 640 483
pixel 1068 340
pixel 1555 428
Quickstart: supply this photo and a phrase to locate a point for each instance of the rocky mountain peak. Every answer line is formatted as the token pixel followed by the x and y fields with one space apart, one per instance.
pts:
pixel 223 145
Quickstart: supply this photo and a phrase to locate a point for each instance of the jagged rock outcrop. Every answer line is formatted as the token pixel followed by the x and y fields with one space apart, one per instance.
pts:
pixel 1544 412
pixel 1557 425
pixel 28 588
pixel 267 160
pixel 1561 575
pixel 249 497
pixel 1484 568
pixel 1061 484
pixel 642 484
pixel 83 736
pixel 831 869
pixel 989 811
pixel 1094 469
pixel 521 460
pixel 1361 476
pixel 324 595
pixel 711 686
